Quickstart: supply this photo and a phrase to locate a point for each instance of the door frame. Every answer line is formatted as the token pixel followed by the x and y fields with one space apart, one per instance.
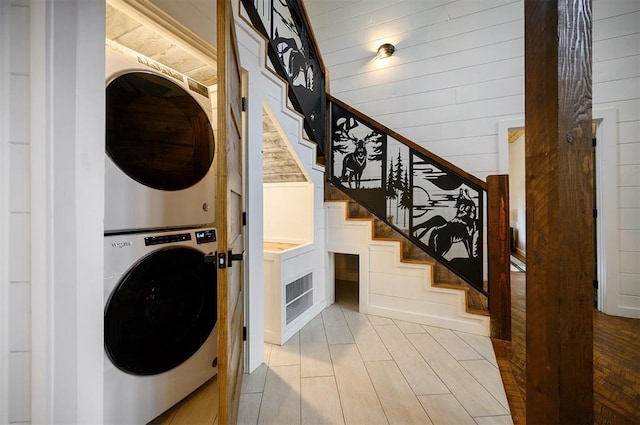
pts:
pixel 606 201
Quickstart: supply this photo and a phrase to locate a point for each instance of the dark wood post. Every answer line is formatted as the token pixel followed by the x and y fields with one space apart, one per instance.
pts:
pixel 559 196
pixel 499 247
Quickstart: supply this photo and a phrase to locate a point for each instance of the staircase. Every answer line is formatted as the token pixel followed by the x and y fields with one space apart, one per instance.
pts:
pixel 400 281
pixel 425 260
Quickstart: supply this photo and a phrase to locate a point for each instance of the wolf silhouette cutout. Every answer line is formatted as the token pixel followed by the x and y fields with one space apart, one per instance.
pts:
pixel 461 228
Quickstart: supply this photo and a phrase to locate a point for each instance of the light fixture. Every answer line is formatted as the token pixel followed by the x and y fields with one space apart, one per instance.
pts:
pixel 385 50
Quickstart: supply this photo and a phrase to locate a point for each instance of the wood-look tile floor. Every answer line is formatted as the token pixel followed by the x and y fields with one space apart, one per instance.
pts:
pixel 349 368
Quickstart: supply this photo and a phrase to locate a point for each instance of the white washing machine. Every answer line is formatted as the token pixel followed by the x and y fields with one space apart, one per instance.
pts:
pixel 159 149
pixel 160 321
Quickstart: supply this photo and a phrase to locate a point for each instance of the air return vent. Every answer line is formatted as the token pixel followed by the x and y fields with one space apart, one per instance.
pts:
pixel 299 296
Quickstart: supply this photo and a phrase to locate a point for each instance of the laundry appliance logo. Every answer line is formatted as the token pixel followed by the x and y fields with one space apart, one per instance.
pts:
pixel 122 244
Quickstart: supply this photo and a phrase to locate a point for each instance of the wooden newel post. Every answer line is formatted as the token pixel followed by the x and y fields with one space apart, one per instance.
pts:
pixel 499 247
pixel 559 196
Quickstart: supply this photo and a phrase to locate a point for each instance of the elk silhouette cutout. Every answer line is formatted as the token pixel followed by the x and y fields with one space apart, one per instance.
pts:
pixel 354 162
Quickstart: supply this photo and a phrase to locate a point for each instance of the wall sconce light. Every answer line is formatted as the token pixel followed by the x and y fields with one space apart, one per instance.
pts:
pixel 385 50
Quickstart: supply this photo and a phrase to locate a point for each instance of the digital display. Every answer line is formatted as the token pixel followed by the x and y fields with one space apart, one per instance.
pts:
pixel 205 236
pixel 164 239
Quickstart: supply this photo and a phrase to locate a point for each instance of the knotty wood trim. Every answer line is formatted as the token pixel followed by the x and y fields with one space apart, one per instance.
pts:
pixel 559 197
pixel 229 312
pixel 440 161
pixel 498 247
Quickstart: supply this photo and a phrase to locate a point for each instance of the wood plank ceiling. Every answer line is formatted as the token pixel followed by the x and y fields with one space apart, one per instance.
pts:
pixel 144 39
pixel 279 164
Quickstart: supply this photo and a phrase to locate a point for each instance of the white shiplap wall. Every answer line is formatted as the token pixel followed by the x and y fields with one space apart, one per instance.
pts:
pixel 15 218
pixel 616 85
pixel 458 71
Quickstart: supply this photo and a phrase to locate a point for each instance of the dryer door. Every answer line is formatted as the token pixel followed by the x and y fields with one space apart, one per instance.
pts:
pixel 157 133
pixel 161 312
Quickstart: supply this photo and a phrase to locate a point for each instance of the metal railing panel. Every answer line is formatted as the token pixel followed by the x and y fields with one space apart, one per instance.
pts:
pixel 295 57
pixel 430 202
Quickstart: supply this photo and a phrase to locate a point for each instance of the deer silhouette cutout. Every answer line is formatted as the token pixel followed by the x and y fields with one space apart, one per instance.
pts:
pixel 354 162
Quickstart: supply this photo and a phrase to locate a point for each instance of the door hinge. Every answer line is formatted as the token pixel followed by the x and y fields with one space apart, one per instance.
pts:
pixel 595 213
pixel 244 333
pixel 244 103
pixel 595 284
pixel 594 141
pixel 244 218
pixel 235 257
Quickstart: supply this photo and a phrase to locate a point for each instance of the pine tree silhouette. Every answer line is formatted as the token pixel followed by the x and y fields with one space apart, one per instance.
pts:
pixel 389 190
pixel 397 181
pixel 405 197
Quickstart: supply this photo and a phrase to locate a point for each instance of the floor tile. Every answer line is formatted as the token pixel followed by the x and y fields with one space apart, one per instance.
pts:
pixel 494 420
pixel 287 354
pixel 418 373
pixel 320 401
pixel 249 409
pixel 254 382
pixel 408 327
pixel 398 400
pixel 320 377
pixel 335 326
pixel 377 320
pixel 347 390
pixel 281 397
pixel 267 352
pixel 455 345
pixel 360 404
pixel 315 359
pixel 481 344
pixel 473 396
pixel 369 343
pixel 489 377
pixel 444 409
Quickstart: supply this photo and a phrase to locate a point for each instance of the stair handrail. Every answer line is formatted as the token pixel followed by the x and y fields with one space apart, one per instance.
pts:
pixel 365 118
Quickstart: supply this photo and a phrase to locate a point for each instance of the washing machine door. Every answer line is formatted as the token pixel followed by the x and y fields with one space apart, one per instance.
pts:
pixel 157 133
pixel 161 312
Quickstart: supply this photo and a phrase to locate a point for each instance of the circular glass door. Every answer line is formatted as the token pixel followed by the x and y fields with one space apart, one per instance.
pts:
pixel 157 133
pixel 161 312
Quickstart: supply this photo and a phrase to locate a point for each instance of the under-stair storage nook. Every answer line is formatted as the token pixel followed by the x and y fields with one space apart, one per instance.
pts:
pixel 289 251
pixel 288 258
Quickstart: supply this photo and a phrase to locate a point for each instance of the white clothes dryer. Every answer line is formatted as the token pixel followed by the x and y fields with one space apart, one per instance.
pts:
pixel 160 321
pixel 159 144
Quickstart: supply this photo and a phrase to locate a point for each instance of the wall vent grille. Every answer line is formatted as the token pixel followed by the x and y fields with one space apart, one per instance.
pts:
pixel 299 296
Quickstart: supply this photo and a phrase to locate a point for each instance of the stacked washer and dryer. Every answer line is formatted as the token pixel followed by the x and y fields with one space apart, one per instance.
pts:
pixel 160 280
